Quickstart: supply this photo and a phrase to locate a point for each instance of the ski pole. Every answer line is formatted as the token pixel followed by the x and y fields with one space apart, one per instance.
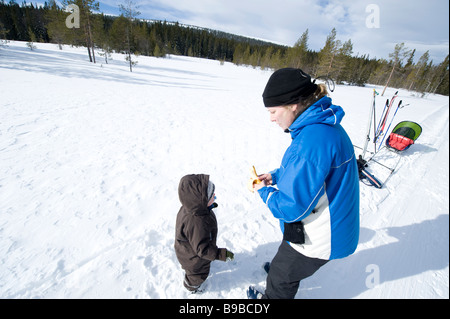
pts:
pixel 381 120
pixel 369 124
pixel 374 129
pixel 398 106
pixel 388 110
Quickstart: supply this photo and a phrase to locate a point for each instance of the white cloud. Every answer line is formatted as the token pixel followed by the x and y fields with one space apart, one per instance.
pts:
pixel 423 23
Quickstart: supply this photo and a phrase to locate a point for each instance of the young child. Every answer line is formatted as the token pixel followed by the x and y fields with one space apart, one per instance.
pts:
pixel 196 230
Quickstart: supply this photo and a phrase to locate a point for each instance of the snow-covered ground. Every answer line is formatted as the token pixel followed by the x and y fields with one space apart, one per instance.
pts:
pixel 91 156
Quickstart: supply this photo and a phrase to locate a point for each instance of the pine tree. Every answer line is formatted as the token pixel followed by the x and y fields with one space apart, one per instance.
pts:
pixel 56 27
pixel 255 58
pixel 399 54
pixel 3 33
pixel 343 61
pixel 327 55
pixel 358 71
pixel 266 58
pixel 441 78
pixel 157 51
pixel 129 11
pixel 86 7
pixel 276 61
pixel 142 37
pixel 417 69
pixel 32 36
pixel 296 56
pixel 238 54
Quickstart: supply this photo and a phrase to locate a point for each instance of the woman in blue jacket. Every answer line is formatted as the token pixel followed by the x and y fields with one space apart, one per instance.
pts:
pixel 315 192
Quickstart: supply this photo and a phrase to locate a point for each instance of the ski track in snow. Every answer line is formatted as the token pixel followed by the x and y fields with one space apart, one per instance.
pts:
pixel 91 156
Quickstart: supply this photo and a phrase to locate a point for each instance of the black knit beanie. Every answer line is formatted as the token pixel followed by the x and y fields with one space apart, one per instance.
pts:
pixel 287 86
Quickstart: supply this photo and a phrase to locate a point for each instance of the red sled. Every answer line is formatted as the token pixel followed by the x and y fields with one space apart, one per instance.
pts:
pixel 403 135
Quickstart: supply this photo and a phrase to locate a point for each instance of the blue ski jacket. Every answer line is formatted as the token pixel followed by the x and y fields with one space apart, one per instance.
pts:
pixel 318 184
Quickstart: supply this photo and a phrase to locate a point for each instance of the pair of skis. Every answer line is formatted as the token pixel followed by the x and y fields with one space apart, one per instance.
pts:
pixel 378 140
pixel 368 178
pixel 380 132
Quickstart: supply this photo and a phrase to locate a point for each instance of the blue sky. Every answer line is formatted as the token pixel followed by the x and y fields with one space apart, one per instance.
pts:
pixel 421 24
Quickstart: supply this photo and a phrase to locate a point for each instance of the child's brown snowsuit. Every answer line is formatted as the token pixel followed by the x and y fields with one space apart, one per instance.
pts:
pixel 196 231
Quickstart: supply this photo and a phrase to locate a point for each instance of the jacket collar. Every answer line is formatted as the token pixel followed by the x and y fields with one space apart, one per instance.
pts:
pixel 321 112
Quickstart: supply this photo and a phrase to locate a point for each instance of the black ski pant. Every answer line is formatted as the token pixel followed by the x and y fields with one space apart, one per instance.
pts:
pixel 287 269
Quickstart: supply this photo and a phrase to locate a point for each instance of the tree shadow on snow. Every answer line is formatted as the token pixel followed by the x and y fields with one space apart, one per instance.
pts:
pixel 417 248
pixel 64 64
pixel 75 65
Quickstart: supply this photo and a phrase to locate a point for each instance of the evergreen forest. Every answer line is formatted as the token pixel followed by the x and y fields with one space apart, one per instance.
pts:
pixel 134 36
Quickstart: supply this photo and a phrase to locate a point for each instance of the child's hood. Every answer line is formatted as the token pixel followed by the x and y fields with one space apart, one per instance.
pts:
pixel 193 193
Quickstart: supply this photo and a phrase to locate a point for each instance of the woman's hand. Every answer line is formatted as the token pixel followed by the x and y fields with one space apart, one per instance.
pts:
pixel 266 180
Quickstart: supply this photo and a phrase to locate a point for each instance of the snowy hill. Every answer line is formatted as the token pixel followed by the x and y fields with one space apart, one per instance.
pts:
pixel 91 156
